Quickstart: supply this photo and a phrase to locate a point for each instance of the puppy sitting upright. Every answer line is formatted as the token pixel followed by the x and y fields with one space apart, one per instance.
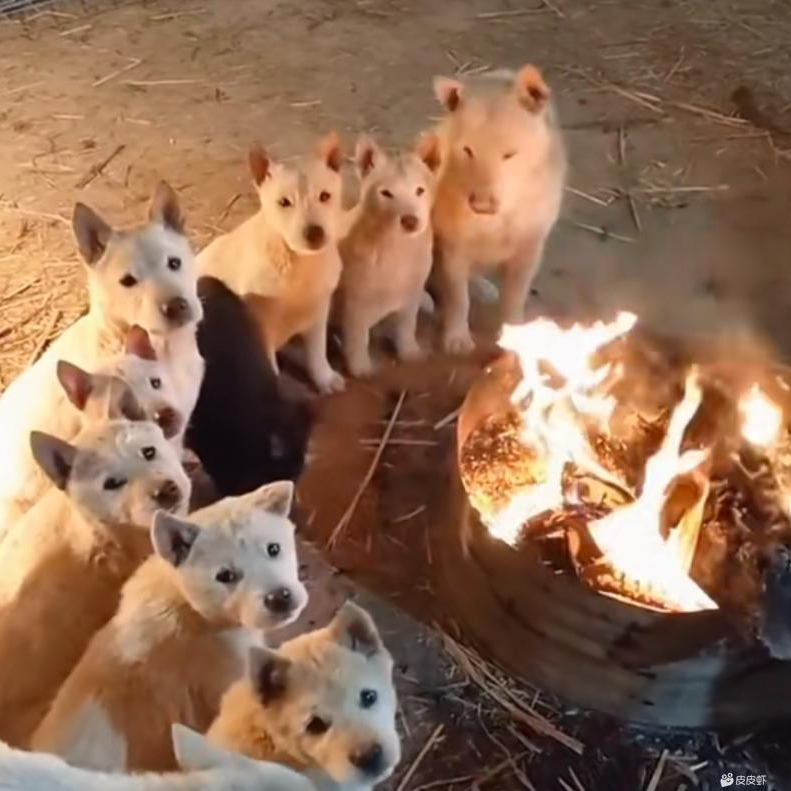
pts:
pixel 387 252
pixel 284 259
pixel 63 564
pixel 141 277
pixel 181 634
pixel 499 192
pixel 324 704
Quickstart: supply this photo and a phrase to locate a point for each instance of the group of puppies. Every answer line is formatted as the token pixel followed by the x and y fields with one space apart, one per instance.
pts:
pixel 132 636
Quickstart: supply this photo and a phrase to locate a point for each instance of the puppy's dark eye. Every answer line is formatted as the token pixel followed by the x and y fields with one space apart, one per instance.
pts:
pixel 509 154
pixel 149 453
pixel 316 726
pixel 468 152
pixel 112 483
pixel 127 281
pixel 228 576
pixel 174 263
pixel 386 194
pixel 284 202
pixel 419 191
pixel 155 382
pixel 368 698
pixel 273 550
pixel 324 196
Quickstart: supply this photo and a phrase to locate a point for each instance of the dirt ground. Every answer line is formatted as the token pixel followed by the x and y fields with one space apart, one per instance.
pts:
pixel 678 120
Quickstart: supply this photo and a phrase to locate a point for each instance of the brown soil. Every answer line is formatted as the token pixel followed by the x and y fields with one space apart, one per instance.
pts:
pixel 677 116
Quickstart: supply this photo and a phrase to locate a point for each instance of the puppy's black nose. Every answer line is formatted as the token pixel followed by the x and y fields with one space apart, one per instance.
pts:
pixel 314 236
pixel 279 601
pixel 409 222
pixel 168 420
pixel 167 496
pixel 370 760
pixel 177 311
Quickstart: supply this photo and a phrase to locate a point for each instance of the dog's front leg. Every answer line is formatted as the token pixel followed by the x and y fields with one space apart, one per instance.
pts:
pixel 517 275
pixel 455 269
pixel 325 378
pixel 405 329
pixel 357 323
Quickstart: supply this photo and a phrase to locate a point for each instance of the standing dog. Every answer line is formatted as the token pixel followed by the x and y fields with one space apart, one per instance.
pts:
pixel 206 766
pixel 63 564
pixel 387 252
pixel 324 704
pixel 284 259
pixel 500 188
pixel 143 277
pixel 181 634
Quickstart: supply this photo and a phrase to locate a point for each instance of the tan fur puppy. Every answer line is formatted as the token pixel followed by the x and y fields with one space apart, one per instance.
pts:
pixel 63 564
pixel 143 276
pixel 181 634
pixel 206 766
pixel 284 259
pixel 324 704
pixel 387 253
pixel 499 191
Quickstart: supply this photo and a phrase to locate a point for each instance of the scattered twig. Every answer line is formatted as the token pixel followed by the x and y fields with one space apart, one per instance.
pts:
pixel 154 83
pixel 228 206
pixel 406 517
pixel 346 518
pixel 653 783
pixel 476 669
pixel 72 31
pixel 420 756
pixel 516 12
pixel 175 15
pixel 552 7
pixel 601 232
pixel 96 170
pixel 449 418
pixel 587 196
pixel 133 64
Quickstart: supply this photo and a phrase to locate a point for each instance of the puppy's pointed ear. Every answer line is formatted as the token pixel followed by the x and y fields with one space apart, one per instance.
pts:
pixel 126 404
pixel 268 672
pixel 91 233
pixel 353 628
pixel 195 753
pixel 260 164
pixel 531 90
pixel 330 152
pixel 428 150
pixel 173 538
pixel 367 155
pixel 138 343
pixel 76 383
pixel 449 92
pixel 165 208
pixel 274 498
pixel 54 456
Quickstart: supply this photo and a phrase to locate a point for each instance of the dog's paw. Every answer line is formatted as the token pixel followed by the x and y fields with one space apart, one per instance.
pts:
pixel 332 382
pixel 459 342
pixel 410 352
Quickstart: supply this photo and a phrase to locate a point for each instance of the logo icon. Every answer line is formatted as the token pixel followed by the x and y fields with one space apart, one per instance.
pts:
pixel 726 780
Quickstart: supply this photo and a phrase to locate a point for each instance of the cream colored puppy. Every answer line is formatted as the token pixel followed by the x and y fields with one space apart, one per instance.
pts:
pixel 206 768
pixel 324 704
pixel 63 564
pixel 145 277
pixel 502 169
pixel 284 259
pixel 388 250
pixel 181 634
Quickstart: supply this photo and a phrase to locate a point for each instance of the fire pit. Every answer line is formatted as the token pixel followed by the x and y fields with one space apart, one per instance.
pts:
pixel 619 517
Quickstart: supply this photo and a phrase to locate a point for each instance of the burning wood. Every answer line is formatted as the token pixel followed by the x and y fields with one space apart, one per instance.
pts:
pixel 559 464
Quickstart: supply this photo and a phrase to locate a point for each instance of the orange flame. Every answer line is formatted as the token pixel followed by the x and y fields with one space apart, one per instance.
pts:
pixel 762 419
pixel 630 537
